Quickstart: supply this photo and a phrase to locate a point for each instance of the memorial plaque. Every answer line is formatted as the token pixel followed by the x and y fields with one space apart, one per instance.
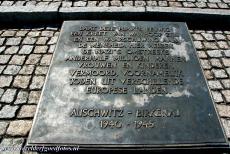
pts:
pixel 126 84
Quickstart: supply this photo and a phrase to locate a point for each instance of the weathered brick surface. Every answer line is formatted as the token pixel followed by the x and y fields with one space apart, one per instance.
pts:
pixel 25 56
pixel 23 128
pixel 202 4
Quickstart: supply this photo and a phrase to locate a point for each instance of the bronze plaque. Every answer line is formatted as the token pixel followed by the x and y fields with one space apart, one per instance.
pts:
pixel 126 84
